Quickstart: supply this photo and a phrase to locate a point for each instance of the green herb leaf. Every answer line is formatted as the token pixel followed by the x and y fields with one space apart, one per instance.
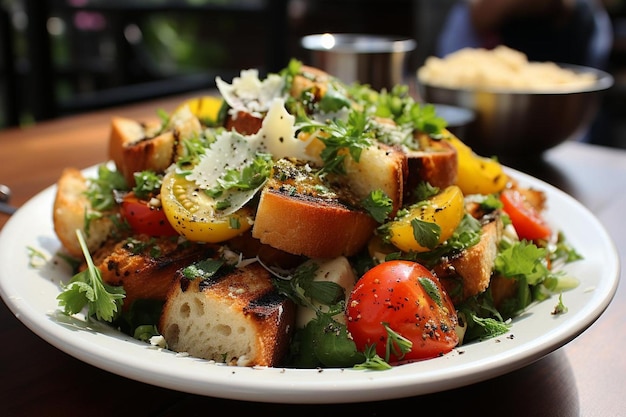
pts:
pixel 523 259
pixel 147 184
pixel 379 205
pixel 373 361
pixel 426 233
pixel 396 344
pixel 431 289
pixel 88 289
pixel 100 191
pixel 203 269
pixel 560 308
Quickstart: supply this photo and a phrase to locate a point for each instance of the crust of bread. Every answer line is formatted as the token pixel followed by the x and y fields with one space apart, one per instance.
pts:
pixel 145 265
pixel 315 228
pixel 132 150
pixel 135 146
pixel 436 164
pixel 68 214
pixel 238 318
pixel 469 273
pixel 249 247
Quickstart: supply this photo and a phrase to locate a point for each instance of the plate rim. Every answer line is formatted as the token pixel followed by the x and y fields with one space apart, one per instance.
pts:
pixel 244 383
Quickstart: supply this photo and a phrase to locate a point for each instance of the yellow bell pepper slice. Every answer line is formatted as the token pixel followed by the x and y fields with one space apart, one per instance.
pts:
pixel 445 209
pixel 477 174
pixel 206 108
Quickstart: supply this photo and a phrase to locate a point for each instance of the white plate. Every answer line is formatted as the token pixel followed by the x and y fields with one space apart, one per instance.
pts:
pixel 31 294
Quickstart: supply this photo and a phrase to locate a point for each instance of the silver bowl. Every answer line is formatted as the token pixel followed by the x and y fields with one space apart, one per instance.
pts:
pixel 523 123
pixel 377 60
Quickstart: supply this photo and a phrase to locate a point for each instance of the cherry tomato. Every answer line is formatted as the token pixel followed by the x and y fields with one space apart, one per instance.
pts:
pixel 527 221
pixel 193 213
pixel 410 300
pixel 145 218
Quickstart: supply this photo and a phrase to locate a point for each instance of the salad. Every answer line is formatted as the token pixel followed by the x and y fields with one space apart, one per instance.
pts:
pixel 447 254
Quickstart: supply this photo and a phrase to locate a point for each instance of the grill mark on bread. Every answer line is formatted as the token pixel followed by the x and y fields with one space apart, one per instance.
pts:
pixel 237 317
pixel 297 180
pixel 146 273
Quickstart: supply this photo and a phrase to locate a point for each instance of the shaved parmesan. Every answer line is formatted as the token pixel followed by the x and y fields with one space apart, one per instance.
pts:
pixel 249 94
pixel 234 151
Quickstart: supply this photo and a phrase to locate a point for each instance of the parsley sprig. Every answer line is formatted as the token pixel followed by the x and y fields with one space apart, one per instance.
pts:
pixel 101 189
pixel 88 289
pixel 341 138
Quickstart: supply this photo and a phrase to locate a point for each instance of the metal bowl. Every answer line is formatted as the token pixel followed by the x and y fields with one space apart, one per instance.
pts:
pixel 377 60
pixel 523 123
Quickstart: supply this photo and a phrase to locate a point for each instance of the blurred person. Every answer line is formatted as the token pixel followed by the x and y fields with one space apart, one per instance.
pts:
pixel 566 31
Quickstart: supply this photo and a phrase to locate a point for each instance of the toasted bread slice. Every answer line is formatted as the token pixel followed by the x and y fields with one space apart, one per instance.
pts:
pixel 71 206
pixel 469 273
pixel 145 265
pixel 237 318
pixel 135 146
pixel 126 134
pixel 435 163
pixel 380 167
pixel 310 79
pixel 302 214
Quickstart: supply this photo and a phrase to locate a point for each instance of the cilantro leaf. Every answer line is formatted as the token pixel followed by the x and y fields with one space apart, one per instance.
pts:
pixel 88 289
pixel 341 139
pixel 426 233
pixel 378 204
pixel 100 191
pixel 522 259
pixel 372 360
pixel 432 290
pixel 396 344
pixel 147 184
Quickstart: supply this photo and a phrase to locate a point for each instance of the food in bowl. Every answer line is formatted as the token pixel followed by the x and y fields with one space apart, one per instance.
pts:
pixel 522 107
pixel 500 68
pixel 296 221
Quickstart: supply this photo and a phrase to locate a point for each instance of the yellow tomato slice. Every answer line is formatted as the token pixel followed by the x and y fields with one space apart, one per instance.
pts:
pixel 477 174
pixel 445 209
pixel 205 108
pixel 194 215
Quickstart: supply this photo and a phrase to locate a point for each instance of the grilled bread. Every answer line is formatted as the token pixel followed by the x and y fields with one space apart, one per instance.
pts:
pixel 469 272
pixel 237 318
pixel 380 167
pixel 135 146
pixel 435 163
pixel 303 214
pixel 71 205
pixel 145 265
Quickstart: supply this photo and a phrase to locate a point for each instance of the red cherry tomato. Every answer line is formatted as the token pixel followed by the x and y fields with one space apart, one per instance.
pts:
pixel 410 300
pixel 527 221
pixel 144 218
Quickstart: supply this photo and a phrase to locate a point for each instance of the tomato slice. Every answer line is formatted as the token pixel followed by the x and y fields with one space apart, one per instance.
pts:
pixel 145 218
pixel 527 221
pixel 193 213
pixel 410 300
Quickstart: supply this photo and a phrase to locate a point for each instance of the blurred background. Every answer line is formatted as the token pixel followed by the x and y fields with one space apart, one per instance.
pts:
pixel 62 57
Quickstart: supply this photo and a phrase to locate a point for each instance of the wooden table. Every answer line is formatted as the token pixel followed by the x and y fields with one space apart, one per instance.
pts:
pixel 584 378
